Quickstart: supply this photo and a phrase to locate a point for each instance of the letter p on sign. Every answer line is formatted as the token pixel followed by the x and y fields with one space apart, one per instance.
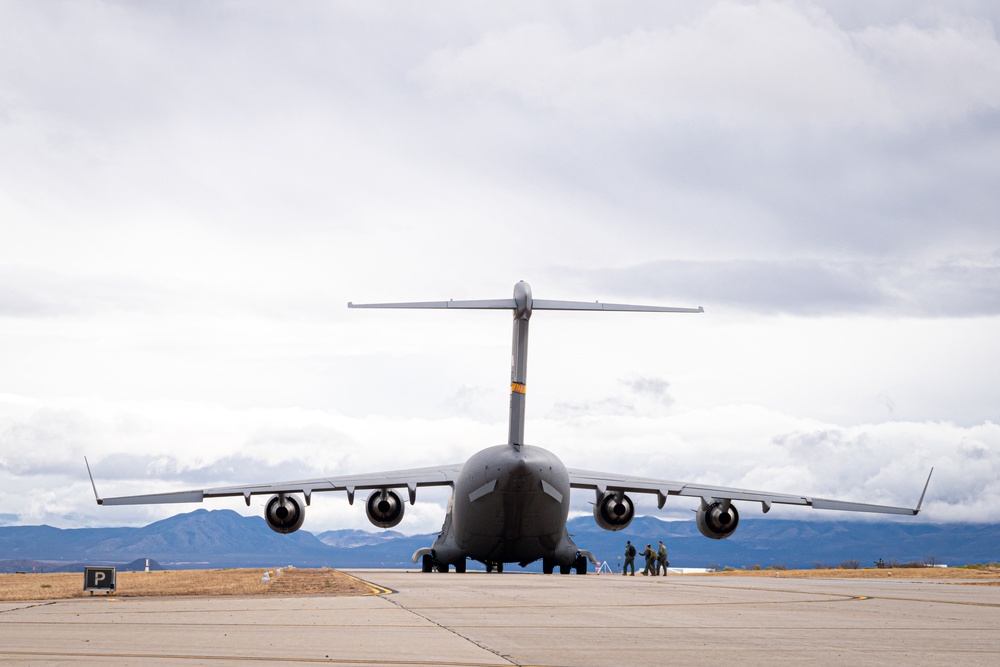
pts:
pixel 99 579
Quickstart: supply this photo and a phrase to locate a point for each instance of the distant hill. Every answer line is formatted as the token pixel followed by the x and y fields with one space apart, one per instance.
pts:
pixel 39 566
pixel 357 538
pixel 203 538
pixel 223 538
pixel 799 544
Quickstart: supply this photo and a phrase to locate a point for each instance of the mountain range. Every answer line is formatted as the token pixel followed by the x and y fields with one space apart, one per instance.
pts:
pixel 224 538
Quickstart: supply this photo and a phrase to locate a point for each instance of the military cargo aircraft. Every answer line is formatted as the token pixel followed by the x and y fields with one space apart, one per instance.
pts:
pixel 509 503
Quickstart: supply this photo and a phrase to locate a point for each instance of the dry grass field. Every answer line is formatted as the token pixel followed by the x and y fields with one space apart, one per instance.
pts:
pixel 984 575
pixel 186 582
pixel 332 582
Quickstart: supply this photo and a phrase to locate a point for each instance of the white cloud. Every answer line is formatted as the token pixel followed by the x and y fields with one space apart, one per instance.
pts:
pixel 736 64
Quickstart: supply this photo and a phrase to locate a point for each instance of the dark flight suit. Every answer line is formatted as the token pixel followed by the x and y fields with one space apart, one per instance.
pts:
pixel 650 556
pixel 629 560
pixel 661 559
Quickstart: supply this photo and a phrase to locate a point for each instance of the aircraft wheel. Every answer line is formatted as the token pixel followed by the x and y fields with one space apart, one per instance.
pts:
pixel 547 566
pixel 565 569
pixel 489 567
pixel 581 565
pixel 442 567
pixel 460 566
pixel 427 563
pixel 499 567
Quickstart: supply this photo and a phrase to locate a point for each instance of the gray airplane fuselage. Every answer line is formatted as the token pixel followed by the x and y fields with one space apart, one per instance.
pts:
pixel 510 505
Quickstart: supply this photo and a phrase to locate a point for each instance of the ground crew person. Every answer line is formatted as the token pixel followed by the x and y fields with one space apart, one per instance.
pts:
pixel 629 558
pixel 650 556
pixel 661 559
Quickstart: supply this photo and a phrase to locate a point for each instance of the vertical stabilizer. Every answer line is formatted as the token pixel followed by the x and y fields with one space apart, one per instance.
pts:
pixel 519 364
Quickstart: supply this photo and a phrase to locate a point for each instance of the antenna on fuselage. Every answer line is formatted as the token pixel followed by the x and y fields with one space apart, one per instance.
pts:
pixel 522 305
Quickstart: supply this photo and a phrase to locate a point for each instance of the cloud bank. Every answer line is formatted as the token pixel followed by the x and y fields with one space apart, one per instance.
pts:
pixel 190 193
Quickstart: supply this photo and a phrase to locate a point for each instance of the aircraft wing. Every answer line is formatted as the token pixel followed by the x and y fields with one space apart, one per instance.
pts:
pixel 409 479
pixel 601 482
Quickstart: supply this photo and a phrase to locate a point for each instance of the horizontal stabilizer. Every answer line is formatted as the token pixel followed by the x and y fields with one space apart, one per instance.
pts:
pixel 480 304
pixel 546 304
pixel 524 303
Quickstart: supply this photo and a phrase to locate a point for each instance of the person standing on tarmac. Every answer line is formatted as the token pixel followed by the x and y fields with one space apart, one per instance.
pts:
pixel 650 557
pixel 629 558
pixel 661 559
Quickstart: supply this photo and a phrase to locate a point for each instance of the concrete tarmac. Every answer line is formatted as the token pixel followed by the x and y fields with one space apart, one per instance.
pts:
pixel 476 619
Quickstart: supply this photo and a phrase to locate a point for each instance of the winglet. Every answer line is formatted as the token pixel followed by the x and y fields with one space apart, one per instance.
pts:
pixel 94 486
pixel 921 501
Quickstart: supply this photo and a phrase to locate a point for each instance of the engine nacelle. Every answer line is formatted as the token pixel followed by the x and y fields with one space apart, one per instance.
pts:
pixel 717 521
pixel 385 508
pixel 612 514
pixel 284 513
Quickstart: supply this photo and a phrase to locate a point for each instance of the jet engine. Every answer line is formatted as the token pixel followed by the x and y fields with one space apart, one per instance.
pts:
pixel 384 508
pixel 718 520
pixel 284 513
pixel 610 513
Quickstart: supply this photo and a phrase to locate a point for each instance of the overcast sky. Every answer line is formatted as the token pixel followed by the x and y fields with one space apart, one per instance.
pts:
pixel 190 193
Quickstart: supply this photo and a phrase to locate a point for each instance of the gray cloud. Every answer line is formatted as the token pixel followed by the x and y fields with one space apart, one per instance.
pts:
pixel 639 389
pixel 968 287
pixel 611 405
pixel 30 292
pixel 473 402
pixel 183 473
pixel 656 388
pixel 814 71
pixel 33 292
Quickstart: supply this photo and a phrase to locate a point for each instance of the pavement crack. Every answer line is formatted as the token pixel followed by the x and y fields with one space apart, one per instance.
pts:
pixel 458 634
pixel 29 606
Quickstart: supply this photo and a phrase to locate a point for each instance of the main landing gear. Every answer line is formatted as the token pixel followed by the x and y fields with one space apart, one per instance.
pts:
pixel 428 564
pixel 580 565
